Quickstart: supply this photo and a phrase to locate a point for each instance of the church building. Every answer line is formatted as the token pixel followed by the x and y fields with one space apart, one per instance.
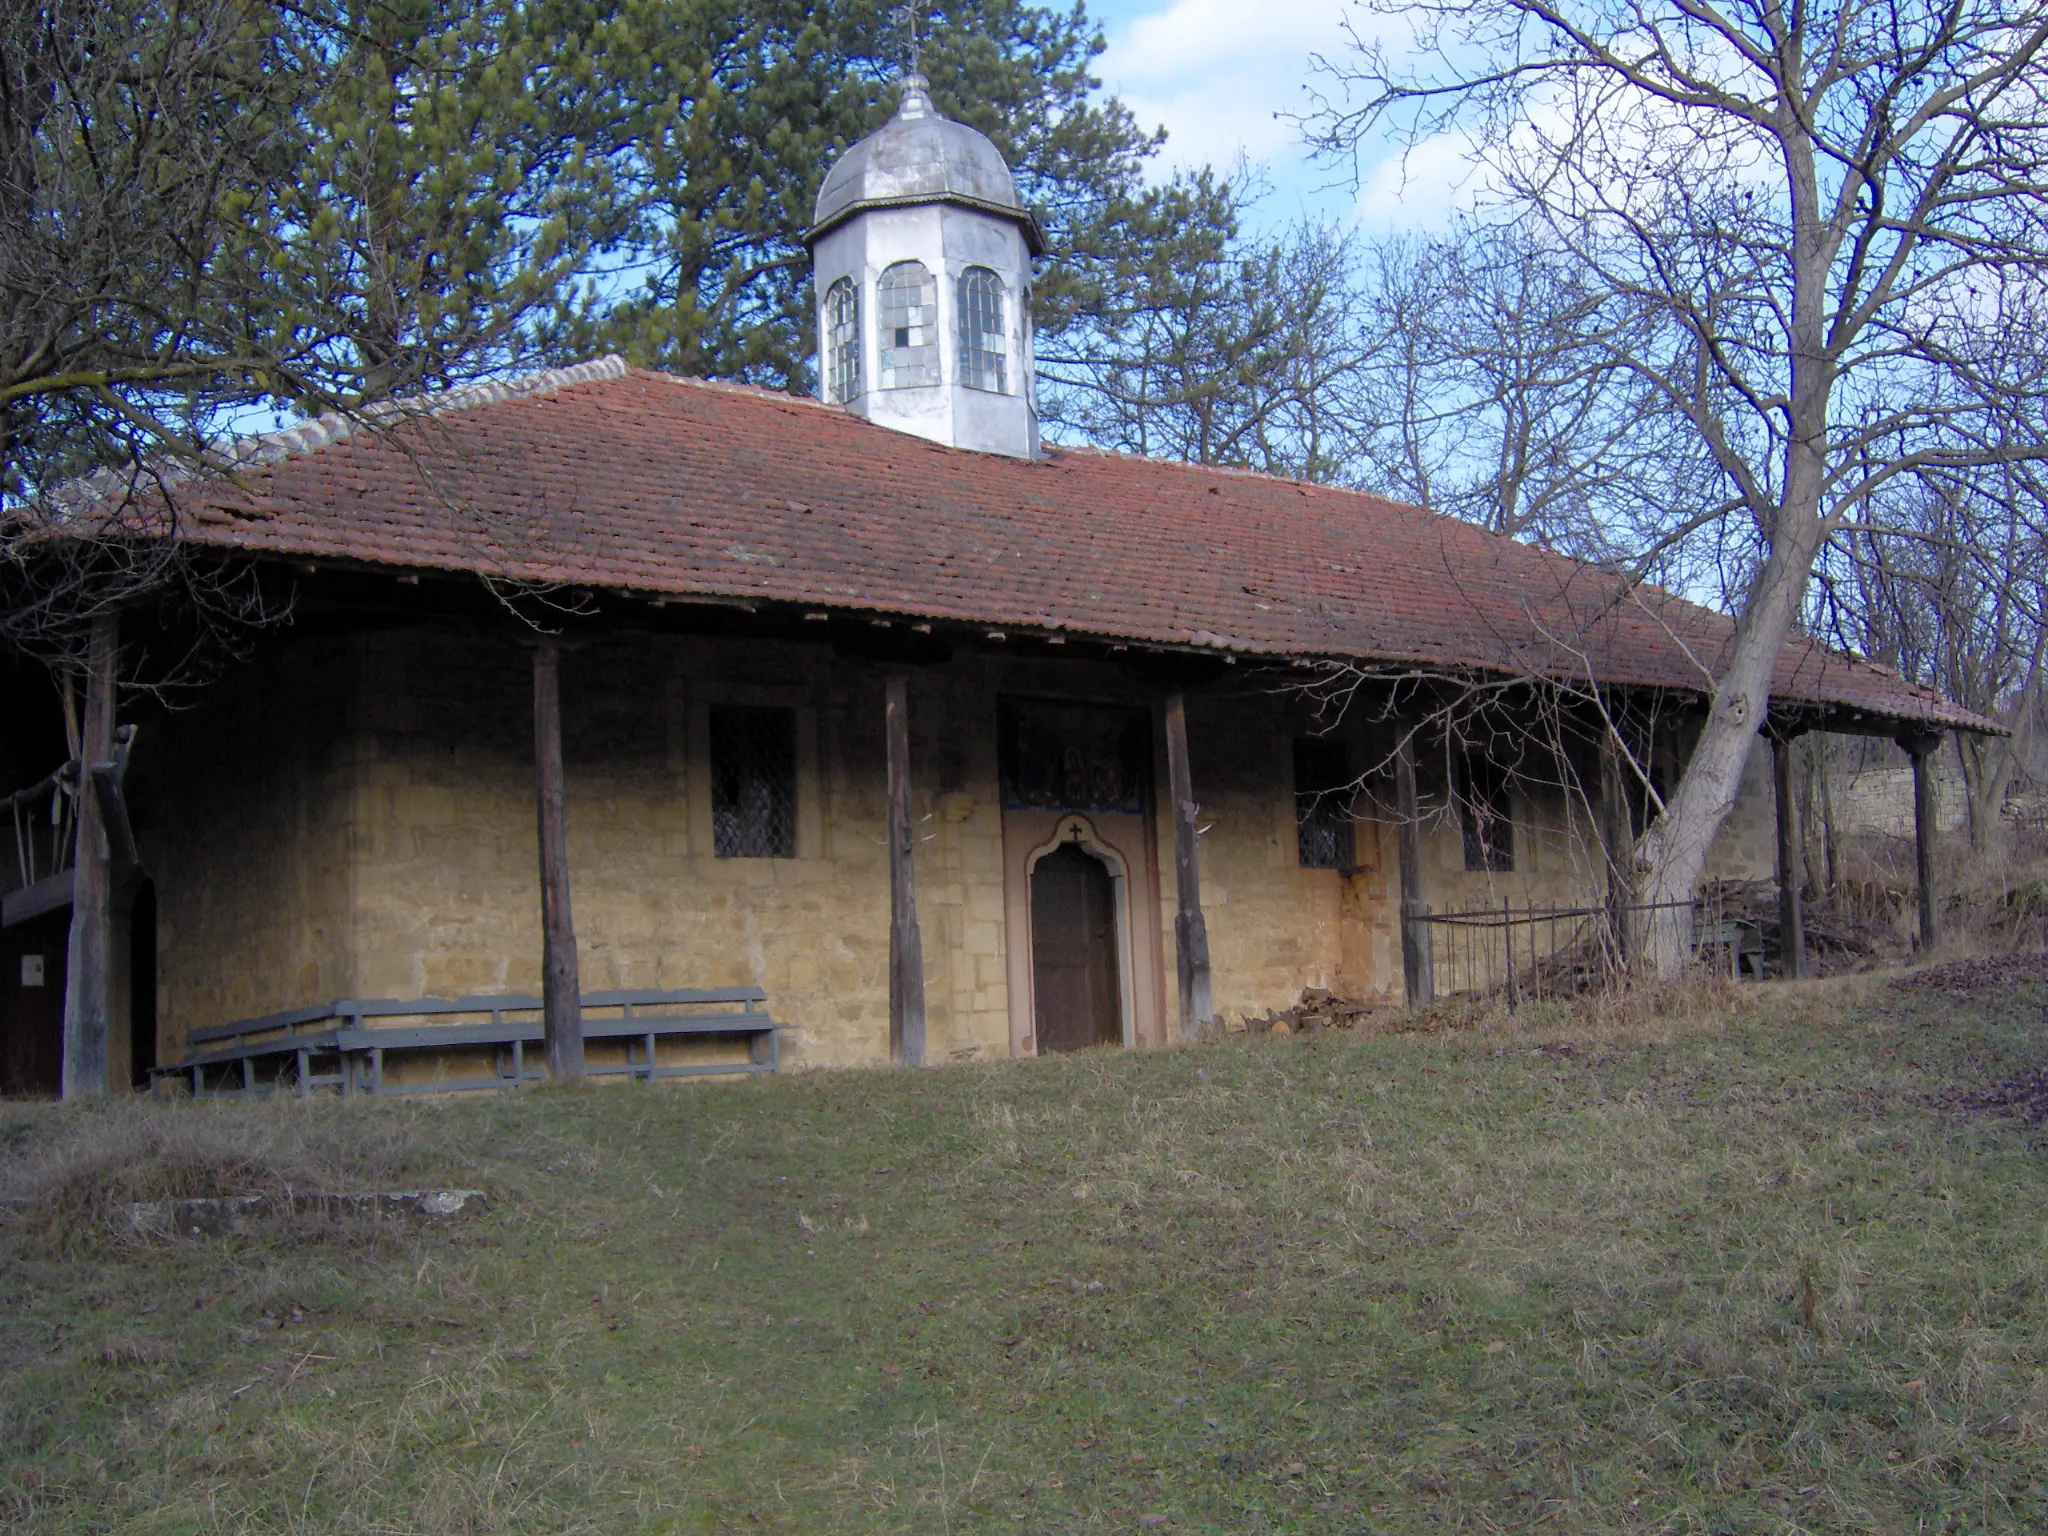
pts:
pixel 927 739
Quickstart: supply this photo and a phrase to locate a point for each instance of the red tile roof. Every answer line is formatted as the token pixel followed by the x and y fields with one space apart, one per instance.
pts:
pixel 607 477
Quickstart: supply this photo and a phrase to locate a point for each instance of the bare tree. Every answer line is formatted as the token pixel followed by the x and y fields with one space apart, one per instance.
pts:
pixel 1219 350
pixel 126 130
pixel 1947 580
pixel 1495 395
pixel 1810 218
pixel 224 213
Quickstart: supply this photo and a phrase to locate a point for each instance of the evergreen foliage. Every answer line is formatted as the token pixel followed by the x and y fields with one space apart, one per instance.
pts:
pixel 732 113
pixel 230 210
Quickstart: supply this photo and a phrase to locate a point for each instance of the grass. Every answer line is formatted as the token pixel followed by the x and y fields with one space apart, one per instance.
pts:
pixel 1752 1271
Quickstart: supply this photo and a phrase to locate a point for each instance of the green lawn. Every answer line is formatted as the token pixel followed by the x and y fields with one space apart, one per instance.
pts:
pixel 1749 1274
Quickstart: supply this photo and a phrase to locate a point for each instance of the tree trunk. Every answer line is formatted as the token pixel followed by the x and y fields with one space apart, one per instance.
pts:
pixel 88 976
pixel 561 986
pixel 1672 855
pixel 2000 759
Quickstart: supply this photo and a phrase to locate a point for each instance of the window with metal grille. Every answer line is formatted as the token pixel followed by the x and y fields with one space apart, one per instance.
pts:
pixel 1483 810
pixel 1322 804
pixel 981 331
pixel 842 342
pixel 909 303
pixel 753 782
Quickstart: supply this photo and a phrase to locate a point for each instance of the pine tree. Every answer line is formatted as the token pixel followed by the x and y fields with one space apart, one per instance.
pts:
pixel 735 111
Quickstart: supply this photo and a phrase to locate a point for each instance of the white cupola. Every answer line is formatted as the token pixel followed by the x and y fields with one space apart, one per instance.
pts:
pixel 921 251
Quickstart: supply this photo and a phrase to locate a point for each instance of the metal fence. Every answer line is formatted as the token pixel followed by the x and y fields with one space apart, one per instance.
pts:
pixel 1530 953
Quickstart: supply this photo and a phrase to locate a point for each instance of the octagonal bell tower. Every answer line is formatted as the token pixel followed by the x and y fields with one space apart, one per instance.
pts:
pixel 921 251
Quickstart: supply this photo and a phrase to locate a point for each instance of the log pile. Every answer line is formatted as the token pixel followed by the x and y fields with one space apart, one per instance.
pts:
pixel 1318 1009
pixel 1839 939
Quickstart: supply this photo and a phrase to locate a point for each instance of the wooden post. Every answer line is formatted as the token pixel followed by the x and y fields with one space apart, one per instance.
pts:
pixel 88 981
pixel 561 987
pixel 1791 862
pixel 1417 971
pixel 1922 749
pixel 1190 930
pixel 1617 843
pixel 1830 844
pixel 906 943
pixel 1507 933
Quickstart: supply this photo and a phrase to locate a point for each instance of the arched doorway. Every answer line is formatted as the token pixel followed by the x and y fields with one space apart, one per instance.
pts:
pixel 1077 991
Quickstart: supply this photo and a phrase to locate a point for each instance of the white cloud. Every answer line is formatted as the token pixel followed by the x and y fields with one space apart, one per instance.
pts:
pixel 1625 148
pixel 1223 77
pixel 1217 74
pixel 1424 187
pixel 1182 36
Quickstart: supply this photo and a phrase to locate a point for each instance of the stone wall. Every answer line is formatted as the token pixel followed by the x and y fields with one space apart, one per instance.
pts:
pixel 1274 927
pixel 243 815
pixel 1877 800
pixel 448 885
pixel 1747 848
pixel 355 817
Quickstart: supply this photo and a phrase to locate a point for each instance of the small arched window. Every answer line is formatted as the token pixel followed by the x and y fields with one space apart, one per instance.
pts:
pixel 909 305
pixel 842 341
pixel 981 331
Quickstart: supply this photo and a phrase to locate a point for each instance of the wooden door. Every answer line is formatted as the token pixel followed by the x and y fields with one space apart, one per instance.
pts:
pixel 1073 951
pixel 32 1004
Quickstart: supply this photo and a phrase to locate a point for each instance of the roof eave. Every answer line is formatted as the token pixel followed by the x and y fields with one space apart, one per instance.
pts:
pixel 1024 218
pixel 1861 719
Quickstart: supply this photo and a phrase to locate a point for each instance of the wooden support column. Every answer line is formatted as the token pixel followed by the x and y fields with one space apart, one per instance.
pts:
pixel 1617 844
pixel 906 943
pixel 1190 929
pixel 1418 973
pixel 1922 747
pixel 561 986
pixel 1791 861
pixel 87 985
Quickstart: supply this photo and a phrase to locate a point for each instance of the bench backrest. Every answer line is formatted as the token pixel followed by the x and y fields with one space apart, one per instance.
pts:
pixel 351 1010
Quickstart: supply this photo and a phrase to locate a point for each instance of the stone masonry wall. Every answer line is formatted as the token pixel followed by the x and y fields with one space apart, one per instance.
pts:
pixel 359 820
pixel 1747 847
pixel 1274 927
pixel 445 842
pixel 243 818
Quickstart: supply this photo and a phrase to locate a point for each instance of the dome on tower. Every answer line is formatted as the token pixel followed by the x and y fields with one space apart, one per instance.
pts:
pixel 921 157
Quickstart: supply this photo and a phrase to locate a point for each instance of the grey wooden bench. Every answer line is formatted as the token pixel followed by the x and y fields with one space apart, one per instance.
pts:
pixel 1743 941
pixel 330 1045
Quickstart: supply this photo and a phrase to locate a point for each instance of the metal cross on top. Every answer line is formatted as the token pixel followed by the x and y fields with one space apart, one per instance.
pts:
pixel 916 44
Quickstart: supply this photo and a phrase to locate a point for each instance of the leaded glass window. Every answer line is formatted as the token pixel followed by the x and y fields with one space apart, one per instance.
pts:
pixel 981 331
pixel 753 782
pixel 1323 787
pixel 842 342
pixel 909 305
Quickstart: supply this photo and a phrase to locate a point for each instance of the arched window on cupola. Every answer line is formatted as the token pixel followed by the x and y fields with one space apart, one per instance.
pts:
pixel 909 305
pixel 982 365
pixel 842 342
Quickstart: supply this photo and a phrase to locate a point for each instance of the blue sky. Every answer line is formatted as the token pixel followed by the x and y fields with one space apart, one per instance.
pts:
pixel 1219 75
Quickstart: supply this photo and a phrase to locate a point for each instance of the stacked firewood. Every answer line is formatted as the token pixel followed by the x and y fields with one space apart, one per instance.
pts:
pixel 1838 939
pixel 1318 1009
